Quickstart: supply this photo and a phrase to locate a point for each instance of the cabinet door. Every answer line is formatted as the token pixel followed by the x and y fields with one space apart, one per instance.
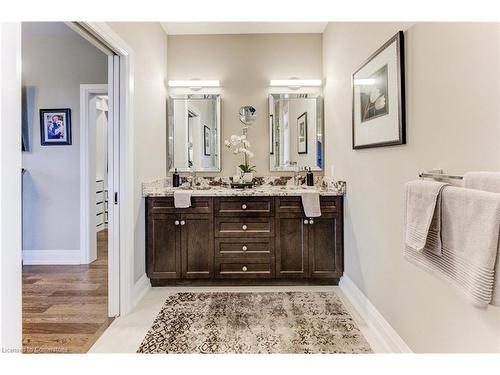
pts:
pixel 325 246
pixel 291 246
pixel 163 247
pixel 197 246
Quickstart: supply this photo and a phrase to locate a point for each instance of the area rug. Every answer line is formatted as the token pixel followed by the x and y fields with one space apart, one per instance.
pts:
pixel 289 322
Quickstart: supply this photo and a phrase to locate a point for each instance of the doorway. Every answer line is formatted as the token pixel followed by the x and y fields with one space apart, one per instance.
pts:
pixel 120 269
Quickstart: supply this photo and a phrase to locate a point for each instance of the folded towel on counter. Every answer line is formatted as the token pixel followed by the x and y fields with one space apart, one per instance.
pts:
pixel 470 237
pixel 423 215
pixel 310 202
pixel 182 198
pixel 487 181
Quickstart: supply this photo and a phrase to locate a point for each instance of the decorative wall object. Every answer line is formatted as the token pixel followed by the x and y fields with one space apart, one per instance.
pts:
pixel 302 133
pixel 378 103
pixel 206 140
pixel 27 117
pixel 55 127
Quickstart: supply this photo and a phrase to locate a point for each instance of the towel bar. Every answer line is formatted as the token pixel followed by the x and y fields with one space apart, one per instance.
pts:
pixel 438 174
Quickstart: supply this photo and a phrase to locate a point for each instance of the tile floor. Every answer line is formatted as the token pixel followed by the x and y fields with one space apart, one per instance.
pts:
pixel 126 333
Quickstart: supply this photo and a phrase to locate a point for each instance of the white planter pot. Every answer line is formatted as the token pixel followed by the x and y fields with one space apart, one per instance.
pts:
pixel 248 177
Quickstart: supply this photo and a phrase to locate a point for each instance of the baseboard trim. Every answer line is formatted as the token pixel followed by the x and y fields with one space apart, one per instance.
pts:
pixel 52 257
pixel 387 335
pixel 140 289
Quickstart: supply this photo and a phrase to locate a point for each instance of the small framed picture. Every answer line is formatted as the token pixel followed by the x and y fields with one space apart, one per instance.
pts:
pixel 206 140
pixel 378 97
pixel 302 133
pixel 55 127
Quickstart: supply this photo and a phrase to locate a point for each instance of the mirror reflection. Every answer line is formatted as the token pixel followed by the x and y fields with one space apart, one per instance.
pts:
pixel 194 133
pixel 296 132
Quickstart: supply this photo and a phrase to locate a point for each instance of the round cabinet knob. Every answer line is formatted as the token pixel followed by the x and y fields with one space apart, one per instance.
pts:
pixel 183 222
pixel 306 221
pixel 244 248
pixel 244 268
pixel 176 222
pixel 244 227
pixel 243 206
pixel 311 221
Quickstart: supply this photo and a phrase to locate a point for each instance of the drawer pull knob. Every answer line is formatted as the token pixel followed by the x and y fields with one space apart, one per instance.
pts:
pixel 244 248
pixel 244 206
pixel 244 227
pixel 306 221
pixel 311 221
pixel 244 268
pixel 176 222
pixel 183 222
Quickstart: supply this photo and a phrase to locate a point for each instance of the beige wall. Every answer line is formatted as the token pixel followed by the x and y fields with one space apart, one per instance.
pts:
pixel 245 64
pixel 452 123
pixel 149 43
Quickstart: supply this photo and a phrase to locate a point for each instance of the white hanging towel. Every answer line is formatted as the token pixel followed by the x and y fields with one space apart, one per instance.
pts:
pixel 423 215
pixel 486 181
pixel 182 198
pixel 470 236
pixel 310 202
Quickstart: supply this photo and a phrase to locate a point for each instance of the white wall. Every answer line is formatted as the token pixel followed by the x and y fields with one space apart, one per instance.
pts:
pixel 245 64
pixel 10 187
pixel 55 61
pixel 149 43
pixel 452 123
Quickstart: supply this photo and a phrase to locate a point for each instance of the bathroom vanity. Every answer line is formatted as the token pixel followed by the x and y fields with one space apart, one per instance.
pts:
pixel 230 237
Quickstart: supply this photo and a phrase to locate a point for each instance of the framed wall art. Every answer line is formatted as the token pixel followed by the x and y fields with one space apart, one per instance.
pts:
pixel 55 127
pixel 378 97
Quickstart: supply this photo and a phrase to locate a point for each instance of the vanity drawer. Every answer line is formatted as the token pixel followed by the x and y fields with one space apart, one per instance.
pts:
pixel 329 204
pixel 244 268
pixel 165 205
pixel 245 248
pixel 244 227
pixel 249 206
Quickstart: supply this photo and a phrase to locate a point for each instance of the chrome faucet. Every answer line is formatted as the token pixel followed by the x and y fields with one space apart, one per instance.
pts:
pixel 193 179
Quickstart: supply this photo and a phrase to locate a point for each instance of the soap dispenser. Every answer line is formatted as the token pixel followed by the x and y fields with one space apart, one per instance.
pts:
pixel 176 180
pixel 309 178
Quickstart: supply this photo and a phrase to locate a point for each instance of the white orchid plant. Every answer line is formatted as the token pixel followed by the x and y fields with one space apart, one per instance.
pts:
pixel 239 144
pixel 376 102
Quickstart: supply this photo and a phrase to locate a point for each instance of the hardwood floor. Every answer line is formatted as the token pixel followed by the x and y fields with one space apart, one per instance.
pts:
pixel 65 308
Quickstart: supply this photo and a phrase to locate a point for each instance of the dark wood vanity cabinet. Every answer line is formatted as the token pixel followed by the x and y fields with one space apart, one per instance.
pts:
pixel 233 239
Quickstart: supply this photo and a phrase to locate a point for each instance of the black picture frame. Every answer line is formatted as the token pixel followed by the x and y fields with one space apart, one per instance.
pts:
pixel 271 134
pixel 305 141
pixel 46 116
pixel 206 140
pixel 400 89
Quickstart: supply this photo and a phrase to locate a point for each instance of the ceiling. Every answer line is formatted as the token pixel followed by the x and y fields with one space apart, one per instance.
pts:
pixel 194 28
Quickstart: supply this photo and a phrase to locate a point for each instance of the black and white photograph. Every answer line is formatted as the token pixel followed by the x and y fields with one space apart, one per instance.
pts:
pixel 378 97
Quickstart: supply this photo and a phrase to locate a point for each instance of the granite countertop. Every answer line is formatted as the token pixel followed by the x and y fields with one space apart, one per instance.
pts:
pixel 161 188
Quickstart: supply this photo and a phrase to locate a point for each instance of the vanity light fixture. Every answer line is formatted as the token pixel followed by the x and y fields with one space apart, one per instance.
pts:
pixel 194 84
pixel 295 83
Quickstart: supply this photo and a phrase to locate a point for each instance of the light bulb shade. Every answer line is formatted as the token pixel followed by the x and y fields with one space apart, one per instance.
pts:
pixel 295 82
pixel 194 83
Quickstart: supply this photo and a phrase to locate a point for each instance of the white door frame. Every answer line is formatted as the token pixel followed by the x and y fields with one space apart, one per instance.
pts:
pixel 87 183
pixel 10 188
pixel 120 89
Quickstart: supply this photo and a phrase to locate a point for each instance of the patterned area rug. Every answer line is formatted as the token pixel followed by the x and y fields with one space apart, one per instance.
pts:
pixel 292 322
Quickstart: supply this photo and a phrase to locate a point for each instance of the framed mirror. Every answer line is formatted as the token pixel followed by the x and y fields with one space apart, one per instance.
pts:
pixel 296 138
pixel 193 133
